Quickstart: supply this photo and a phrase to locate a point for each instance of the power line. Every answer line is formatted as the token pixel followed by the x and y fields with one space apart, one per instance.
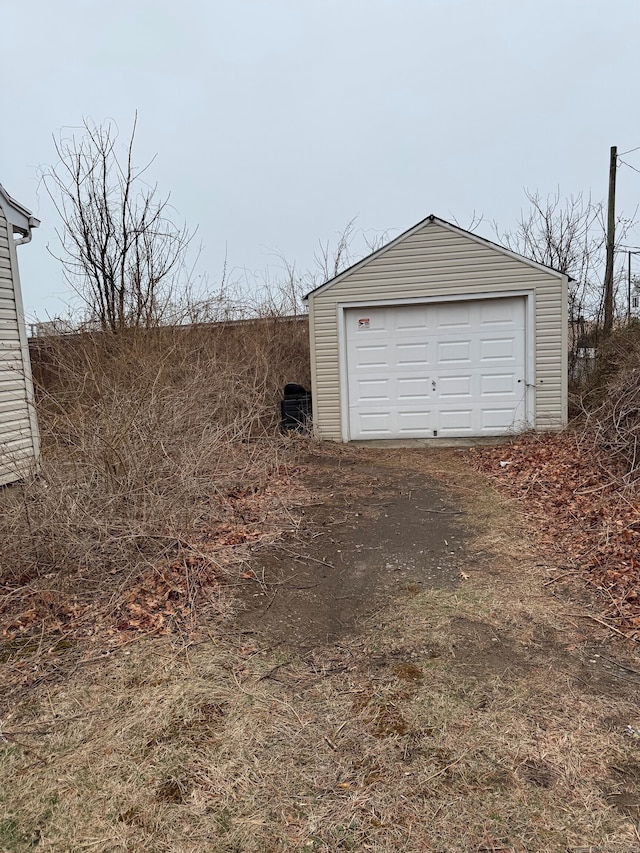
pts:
pixel 624 163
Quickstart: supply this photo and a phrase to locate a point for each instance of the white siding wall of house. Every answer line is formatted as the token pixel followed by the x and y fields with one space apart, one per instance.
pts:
pixel 19 441
pixel 436 260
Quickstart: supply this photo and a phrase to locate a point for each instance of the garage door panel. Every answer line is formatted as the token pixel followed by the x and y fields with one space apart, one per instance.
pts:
pixel 413 388
pixel 373 356
pixel 500 419
pixel 500 383
pixel 437 369
pixel 370 390
pixel 373 320
pixel 455 421
pixel 498 349
pixel 412 354
pixel 455 386
pixel 414 422
pixel 454 352
pixel 412 321
pixel 373 423
pixel 452 315
pixel 498 312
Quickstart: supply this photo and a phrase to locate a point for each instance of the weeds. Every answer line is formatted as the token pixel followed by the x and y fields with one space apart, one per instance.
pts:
pixel 160 448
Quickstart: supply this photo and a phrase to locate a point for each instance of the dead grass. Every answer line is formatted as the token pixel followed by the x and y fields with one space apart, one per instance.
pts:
pixel 162 465
pixel 465 720
pixel 199 750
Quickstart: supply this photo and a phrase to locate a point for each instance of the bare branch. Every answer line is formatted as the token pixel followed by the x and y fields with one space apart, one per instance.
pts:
pixel 120 249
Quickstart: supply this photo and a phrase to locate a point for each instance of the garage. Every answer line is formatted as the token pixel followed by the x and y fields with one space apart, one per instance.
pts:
pixel 440 334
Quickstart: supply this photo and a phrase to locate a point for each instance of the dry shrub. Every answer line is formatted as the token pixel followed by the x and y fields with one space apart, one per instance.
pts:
pixel 614 422
pixel 616 353
pixel 145 436
pixel 607 407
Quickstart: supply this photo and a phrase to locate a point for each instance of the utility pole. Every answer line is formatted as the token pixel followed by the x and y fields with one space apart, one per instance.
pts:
pixel 611 239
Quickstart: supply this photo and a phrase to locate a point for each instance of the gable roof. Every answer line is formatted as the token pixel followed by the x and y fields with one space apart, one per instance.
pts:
pixel 18 216
pixel 451 227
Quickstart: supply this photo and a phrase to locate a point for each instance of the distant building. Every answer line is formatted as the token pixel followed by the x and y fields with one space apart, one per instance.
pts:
pixel 48 328
pixel 634 304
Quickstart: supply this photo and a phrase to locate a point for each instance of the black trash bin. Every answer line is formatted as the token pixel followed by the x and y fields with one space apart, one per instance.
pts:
pixel 295 408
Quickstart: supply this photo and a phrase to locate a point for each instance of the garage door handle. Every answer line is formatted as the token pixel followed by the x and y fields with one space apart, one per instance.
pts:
pixel 433 384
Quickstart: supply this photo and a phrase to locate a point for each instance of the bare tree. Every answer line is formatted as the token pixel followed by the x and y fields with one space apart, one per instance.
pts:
pixel 283 293
pixel 569 235
pixel 121 250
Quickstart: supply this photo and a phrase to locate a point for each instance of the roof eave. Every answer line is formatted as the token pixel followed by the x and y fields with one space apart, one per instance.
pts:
pixel 21 220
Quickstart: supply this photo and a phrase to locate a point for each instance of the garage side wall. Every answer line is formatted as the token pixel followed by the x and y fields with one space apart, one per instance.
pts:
pixel 429 262
pixel 18 430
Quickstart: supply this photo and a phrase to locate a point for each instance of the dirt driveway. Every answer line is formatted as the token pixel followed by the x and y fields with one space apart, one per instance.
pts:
pixel 371 532
pixel 405 670
pixel 385 527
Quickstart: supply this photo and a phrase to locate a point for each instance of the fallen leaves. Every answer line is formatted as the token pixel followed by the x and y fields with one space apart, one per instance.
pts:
pixel 161 598
pixel 583 509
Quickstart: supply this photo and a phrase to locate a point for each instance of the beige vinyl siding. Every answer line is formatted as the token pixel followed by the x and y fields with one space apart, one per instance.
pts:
pixel 431 261
pixel 18 444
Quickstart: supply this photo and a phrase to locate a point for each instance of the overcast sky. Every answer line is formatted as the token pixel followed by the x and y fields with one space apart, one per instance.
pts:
pixel 275 122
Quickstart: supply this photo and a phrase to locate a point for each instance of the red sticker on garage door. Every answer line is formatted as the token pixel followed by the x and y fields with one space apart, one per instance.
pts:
pixel 364 323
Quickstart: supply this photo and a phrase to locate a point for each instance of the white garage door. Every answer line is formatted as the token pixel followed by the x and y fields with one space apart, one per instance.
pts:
pixel 443 369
